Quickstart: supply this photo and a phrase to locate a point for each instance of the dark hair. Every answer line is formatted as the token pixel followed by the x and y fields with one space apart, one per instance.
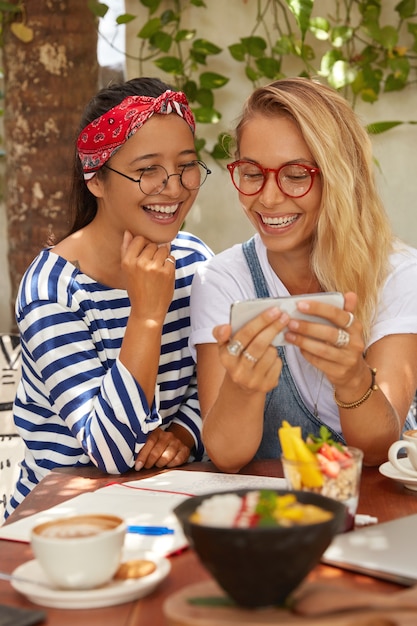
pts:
pixel 82 203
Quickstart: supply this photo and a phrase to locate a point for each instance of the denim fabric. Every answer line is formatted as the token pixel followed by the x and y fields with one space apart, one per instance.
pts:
pixel 284 401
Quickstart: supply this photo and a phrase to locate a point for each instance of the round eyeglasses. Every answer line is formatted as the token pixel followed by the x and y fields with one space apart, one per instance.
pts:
pixel 154 178
pixel 294 179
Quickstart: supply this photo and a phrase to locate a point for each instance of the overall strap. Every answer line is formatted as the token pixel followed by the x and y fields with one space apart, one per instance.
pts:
pixel 257 274
pixel 284 401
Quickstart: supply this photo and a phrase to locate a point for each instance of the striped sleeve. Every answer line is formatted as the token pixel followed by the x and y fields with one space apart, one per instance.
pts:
pixel 101 404
pixel 76 403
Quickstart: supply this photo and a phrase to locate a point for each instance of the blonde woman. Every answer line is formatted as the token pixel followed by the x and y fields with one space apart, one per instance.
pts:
pixel 304 174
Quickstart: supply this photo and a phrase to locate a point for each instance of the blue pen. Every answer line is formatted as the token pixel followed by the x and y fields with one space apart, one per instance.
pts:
pixel 150 530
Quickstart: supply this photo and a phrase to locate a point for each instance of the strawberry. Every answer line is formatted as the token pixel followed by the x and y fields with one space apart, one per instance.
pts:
pixel 343 457
pixel 329 467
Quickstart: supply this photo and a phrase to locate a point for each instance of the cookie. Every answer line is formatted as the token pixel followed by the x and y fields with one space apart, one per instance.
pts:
pixel 136 568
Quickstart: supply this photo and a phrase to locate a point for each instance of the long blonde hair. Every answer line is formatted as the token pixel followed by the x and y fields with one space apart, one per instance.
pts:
pixel 353 237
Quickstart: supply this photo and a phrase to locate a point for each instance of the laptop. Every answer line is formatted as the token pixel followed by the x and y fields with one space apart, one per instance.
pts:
pixel 384 551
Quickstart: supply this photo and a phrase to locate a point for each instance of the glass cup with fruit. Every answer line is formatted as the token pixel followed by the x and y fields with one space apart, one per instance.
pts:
pixel 321 465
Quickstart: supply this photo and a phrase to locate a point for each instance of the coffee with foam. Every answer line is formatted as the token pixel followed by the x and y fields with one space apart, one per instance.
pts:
pixel 78 527
pixel 80 552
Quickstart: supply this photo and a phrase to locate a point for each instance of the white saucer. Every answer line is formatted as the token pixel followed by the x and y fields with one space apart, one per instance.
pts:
pixel 388 470
pixel 115 592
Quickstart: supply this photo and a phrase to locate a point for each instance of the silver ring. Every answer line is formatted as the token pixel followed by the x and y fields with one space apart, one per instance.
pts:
pixel 350 322
pixel 249 357
pixel 343 338
pixel 170 260
pixel 234 347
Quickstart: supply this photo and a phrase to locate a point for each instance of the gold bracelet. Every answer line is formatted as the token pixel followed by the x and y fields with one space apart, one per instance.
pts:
pixel 366 395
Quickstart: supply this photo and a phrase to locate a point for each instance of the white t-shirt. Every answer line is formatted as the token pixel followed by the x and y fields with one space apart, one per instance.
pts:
pixel 225 278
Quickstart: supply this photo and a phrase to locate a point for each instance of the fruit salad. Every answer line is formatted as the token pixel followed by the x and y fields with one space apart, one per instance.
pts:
pixel 257 508
pixel 320 464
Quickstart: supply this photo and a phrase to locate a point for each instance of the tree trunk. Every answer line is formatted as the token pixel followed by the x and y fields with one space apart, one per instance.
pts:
pixel 48 81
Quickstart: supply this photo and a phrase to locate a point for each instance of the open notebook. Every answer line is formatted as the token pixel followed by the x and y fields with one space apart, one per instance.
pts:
pixel 385 550
pixel 149 501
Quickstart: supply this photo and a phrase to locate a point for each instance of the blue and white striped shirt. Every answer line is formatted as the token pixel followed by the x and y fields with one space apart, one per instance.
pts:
pixel 77 404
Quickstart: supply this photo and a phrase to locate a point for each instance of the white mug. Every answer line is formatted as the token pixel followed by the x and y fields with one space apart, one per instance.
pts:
pixel 79 552
pixel 409 444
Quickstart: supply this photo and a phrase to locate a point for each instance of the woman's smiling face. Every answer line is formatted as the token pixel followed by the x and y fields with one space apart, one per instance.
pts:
pixel 284 223
pixel 163 140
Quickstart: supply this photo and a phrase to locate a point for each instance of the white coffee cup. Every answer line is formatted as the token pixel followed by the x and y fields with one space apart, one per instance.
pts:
pixel 409 444
pixel 79 552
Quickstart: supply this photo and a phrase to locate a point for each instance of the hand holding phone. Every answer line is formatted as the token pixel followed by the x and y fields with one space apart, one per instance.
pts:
pixel 242 311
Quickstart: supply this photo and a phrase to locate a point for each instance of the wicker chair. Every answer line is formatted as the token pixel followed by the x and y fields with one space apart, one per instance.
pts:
pixel 11 444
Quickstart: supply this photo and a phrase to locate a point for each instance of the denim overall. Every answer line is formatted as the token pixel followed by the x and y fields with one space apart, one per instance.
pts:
pixel 284 401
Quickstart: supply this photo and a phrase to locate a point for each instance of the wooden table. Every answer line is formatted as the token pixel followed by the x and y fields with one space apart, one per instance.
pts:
pixel 379 496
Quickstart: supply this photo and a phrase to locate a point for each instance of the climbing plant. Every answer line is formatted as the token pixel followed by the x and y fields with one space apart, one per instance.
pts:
pixel 360 47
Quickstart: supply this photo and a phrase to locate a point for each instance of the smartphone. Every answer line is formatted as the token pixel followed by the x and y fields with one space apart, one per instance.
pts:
pixel 243 311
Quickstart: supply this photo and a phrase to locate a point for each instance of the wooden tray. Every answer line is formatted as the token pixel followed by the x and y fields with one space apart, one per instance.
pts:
pixel 179 611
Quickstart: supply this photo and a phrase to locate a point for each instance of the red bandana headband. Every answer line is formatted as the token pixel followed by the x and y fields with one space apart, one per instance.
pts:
pixel 99 140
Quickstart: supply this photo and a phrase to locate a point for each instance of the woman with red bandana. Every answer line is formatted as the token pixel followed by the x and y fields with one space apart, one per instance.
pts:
pixel 103 315
pixel 304 174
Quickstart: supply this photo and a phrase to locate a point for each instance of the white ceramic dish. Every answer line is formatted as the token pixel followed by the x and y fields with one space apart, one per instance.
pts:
pixel 388 470
pixel 115 592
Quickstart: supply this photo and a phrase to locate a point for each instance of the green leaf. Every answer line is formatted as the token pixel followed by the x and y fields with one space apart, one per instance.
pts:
pixel 359 83
pixel 368 55
pixel 400 67
pixel 169 16
pixel 307 53
pixel 171 65
pixel 369 95
pixel 184 35
pixel 406 8
pixel 97 8
pixel 152 5
pixel 370 9
pixel 251 74
pixel 210 80
pixel 190 90
pixel 328 60
pixel 320 27
pixel 150 28
pixel 125 18
pixel 198 58
pixel 161 40
pixel 198 3
pixel 211 601
pixel 301 9
pixel 388 37
pixel 206 47
pixel 218 153
pixel 205 97
pixel 376 128
pixel 323 437
pixel 341 74
pixel 370 22
pixel 412 29
pixel 255 46
pixel 207 115
pixel 238 51
pixel 199 144
pixel 268 66
pixel 394 83
pixel 340 35
pixel 222 148
pixel 284 45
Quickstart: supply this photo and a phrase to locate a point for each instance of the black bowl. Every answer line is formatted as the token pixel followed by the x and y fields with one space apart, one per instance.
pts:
pixel 261 566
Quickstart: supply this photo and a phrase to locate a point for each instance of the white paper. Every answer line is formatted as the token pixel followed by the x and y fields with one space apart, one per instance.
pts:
pixel 149 501
pixel 198 483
